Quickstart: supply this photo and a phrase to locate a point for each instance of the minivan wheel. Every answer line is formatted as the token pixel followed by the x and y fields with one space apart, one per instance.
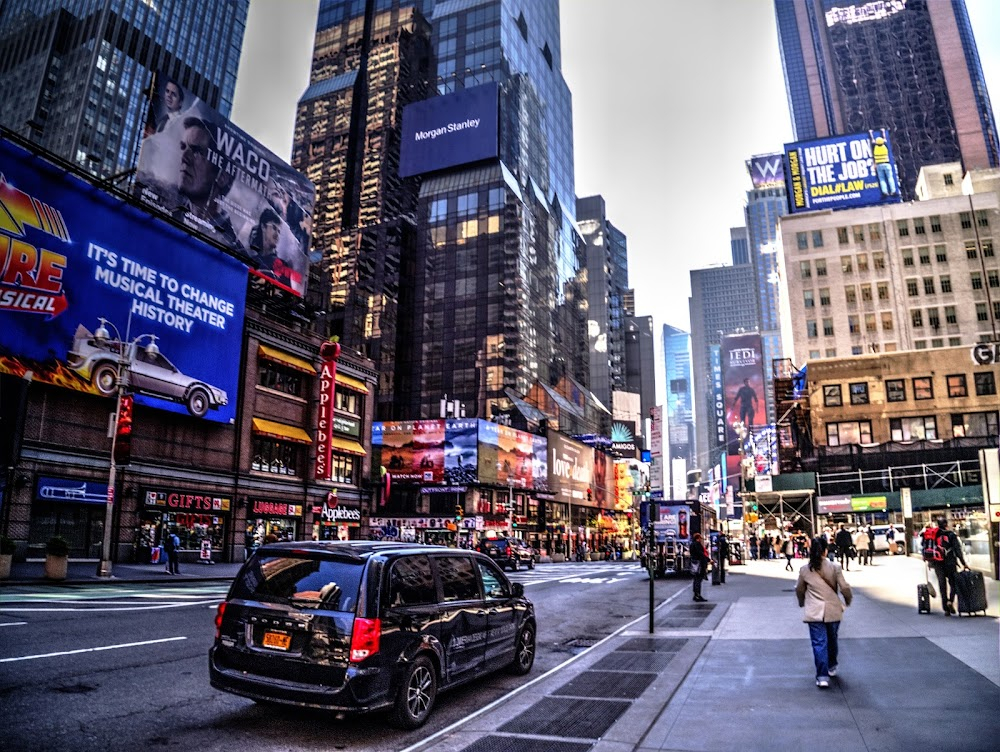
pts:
pixel 515 564
pixel 416 696
pixel 524 650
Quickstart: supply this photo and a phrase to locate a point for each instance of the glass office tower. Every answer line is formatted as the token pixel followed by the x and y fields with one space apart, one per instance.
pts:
pixel 911 66
pixel 74 73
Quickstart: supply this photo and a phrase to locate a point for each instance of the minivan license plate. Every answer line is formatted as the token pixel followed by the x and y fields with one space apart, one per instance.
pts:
pixel 277 640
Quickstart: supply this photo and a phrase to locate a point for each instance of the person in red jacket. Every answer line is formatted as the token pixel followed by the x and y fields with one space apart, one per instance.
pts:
pixel 945 564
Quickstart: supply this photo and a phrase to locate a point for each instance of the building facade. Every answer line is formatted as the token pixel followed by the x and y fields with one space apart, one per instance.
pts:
pixel 910 66
pixel 913 276
pixel 680 410
pixel 74 74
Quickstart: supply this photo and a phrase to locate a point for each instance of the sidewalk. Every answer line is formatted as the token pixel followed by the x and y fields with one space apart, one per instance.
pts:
pixel 737 673
pixel 80 572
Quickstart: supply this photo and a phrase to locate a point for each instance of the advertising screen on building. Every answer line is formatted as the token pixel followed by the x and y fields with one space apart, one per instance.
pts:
pixel 767 170
pixel 512 458
pixel 571 468
pixel 208 174
pixel 450 130
pixel 84 274
pixel 413 449
pixel 841 172
pixel 743 386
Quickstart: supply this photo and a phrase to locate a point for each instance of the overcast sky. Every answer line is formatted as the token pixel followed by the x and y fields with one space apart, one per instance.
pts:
pixel 669 99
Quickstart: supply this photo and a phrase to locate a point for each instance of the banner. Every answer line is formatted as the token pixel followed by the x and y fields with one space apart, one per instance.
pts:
pixel 90 286
pixel 767 171
pixel 841 172
pixel 743 387
pixel 204 171
pixel 571 468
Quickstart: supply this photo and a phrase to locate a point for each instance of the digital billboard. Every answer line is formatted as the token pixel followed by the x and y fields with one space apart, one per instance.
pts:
pixel 208 174
pixel 743 386
pixel 571 468
pixel 841 172
pixel 450 130
pixel 767 170
pixel 509 457
pixel 412 449
pixel 77 264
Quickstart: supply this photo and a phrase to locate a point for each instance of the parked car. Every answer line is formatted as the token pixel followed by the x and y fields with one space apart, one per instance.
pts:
pixel 881 544
pixel 509 553
pixel 150 373
pixel 359 626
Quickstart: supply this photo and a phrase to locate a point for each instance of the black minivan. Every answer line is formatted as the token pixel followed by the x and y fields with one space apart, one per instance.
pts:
pixel 357 626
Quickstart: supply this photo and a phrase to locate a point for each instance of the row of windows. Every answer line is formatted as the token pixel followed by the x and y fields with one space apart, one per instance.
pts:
pixel 933 317
pixel 289 381
pixel 285 458
pixel 922 389
pixel 913 428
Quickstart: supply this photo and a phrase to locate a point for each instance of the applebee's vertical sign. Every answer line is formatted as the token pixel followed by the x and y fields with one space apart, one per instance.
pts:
pixel 328 353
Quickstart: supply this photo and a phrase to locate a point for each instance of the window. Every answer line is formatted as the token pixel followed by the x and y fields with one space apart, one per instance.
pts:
pixel 932 317
pixel 272 456
pixel 918 226
pixel 853 432
pixel 874 232
pixel 987 246
pixel 802 239
pixel 917 318
pixel 950 315
pixel 971 250
pixel 928 285
pixel 974 424
pixel 828 327
pixel 859 393
pixel 878 261
pixel 842 235
pixel 937 342
pixel 853 324
pixel 494 585
pixel 468 204
pixel 439 209
pixel 935 223
pixel 993 278
pixel 913 429
pixel 912 288
pixel 986 383
pixel 903 227
pixel 824 296
pixel 846 265
pixel 820 267
pixel 274 376
pixel 808 299
pixel 886 321
pixel 851 294
pixel 813 354
pixel 954 341
pixel 977 280
pixel 870 325
pixel 458 578
pixel 883 290
pixel 945 283
pixel 895 390
pixel 965 219
pixel 859 234
pixel 342 468
pixel 862 262
pixel 347 401
pixel 817 238
pixel 923 389
pixel 982 218
pixel 832 396
pixel 941 254
pixel 857 350
pixel 805 270
pixel 411 582
pixel 982 312
pixel 957 386
pixel 924 253
pixel 907 254
pixel 948 179
pixel 811 330
pixel 866 293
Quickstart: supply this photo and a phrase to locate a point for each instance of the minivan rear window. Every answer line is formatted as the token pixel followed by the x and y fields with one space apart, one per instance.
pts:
pixel 301 581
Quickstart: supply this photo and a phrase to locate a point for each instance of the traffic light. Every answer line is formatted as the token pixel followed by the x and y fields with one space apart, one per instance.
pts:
pixel 513 521
pixel 459 513
pixel 123 431
pixel 753 507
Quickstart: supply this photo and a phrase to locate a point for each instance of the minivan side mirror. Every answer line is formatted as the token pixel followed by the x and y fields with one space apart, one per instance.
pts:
pixel 517 589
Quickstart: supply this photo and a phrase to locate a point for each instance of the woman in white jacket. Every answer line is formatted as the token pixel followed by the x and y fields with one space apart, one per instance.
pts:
pixel 819 589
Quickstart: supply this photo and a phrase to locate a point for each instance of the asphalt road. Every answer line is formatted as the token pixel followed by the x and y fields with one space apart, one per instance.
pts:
pixel 125 667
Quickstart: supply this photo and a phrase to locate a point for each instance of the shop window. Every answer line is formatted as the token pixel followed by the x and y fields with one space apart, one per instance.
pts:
pixel 913 429
pixel 923 388
pixel 832 396
pixel 895 390
pixel 273 456
pixel 849 432
pixel 974 424
pixel 986 383
pixel 278 377
pixel 859 393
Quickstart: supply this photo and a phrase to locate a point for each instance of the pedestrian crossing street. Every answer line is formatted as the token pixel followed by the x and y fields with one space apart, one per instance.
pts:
pixel 138 597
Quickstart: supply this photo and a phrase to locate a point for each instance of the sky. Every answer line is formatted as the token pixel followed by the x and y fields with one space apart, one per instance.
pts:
pixel 670 97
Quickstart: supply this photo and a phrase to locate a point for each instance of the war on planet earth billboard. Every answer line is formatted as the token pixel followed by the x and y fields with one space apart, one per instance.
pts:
pixel 218 181
pixel 92 288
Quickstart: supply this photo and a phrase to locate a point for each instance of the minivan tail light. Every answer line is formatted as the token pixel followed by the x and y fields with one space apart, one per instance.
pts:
pixel 365 638
pixel 219 612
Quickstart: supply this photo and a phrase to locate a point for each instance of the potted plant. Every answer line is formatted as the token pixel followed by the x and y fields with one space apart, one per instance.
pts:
pixel 7 549
pixel 56 558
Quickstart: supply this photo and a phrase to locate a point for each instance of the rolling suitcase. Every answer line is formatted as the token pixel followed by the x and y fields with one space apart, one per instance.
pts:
pixel 923 599
pixel 971 592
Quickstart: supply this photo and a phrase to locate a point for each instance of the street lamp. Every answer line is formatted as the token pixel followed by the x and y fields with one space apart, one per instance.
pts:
pixel 125 351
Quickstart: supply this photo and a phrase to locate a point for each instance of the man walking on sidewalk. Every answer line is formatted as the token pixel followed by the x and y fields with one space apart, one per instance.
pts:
pixel 844 543
pixel 699 558
pixel 946 566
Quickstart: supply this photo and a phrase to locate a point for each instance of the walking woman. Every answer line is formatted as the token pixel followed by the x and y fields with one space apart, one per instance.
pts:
pixel 819 589
pixel 788 549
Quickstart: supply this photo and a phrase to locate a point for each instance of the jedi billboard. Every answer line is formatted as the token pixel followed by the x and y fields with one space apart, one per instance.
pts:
pixel 211 176
pixel 77 264
pixel 841 172
pixel 450 130
pixel 743 387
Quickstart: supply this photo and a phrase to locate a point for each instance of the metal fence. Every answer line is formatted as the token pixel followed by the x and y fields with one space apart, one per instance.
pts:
pixel 925 476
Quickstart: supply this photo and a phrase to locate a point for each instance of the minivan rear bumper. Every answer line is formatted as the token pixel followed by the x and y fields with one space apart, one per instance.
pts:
pixel 341 699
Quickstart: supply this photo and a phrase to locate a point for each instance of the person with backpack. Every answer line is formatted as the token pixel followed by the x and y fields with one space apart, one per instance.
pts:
pixel 171 543
pixel 943 551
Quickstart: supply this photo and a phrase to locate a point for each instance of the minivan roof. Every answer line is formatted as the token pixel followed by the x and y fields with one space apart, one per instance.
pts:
pixel 359 549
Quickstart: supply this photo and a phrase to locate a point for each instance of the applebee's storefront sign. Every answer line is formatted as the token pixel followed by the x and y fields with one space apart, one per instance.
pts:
pixel 339 514
pixel 328 352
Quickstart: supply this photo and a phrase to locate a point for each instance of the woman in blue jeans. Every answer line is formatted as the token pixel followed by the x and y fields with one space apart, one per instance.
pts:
pixel 819 590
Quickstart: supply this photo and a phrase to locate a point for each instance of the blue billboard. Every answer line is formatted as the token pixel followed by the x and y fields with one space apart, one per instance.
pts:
pixel 91 287
pixel 841 172
pixel 450 130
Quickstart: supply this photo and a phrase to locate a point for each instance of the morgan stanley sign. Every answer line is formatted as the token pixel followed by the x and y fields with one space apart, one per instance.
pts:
pixel 450 130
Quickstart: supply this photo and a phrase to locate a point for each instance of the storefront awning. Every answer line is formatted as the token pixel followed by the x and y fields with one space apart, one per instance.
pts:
pixel 347 446
pixel 352 383
pixel 285 359
pixel 282 431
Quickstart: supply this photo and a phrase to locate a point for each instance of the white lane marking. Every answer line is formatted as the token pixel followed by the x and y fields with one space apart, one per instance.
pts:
pixel 14 624
pixel 504 698
pixel 92 650
pixel 121 607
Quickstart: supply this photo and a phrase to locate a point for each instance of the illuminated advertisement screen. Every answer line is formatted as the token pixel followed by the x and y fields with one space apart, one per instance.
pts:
pixel 767 170
pixel 841 172
pixel 208 174
pixel 571 468
pixel 413 449
pixel 72 255
pixel 450 130
pixel 743 386
pixel 511 457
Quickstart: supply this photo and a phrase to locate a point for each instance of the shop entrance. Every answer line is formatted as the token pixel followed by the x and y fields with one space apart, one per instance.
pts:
pixel 82 526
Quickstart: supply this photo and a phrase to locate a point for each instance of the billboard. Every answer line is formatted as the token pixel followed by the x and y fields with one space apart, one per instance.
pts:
pixel 571 468
pixel 743 386
pixel 509 457
pixel 208 174
pixel 450 130
pixel 412 449
pixel 841 172
pixel 767 170
pixel 77 264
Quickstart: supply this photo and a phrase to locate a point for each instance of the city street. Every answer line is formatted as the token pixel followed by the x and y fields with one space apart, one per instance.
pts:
pixel 124 667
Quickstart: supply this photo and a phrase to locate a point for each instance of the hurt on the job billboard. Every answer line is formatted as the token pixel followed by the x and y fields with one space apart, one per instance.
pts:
pixel 841 172
pixel 450 130
pixel 91 287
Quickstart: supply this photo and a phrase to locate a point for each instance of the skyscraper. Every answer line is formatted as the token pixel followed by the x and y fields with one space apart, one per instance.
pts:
pixel 680 411
pixel 910 65
pixel 74 73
